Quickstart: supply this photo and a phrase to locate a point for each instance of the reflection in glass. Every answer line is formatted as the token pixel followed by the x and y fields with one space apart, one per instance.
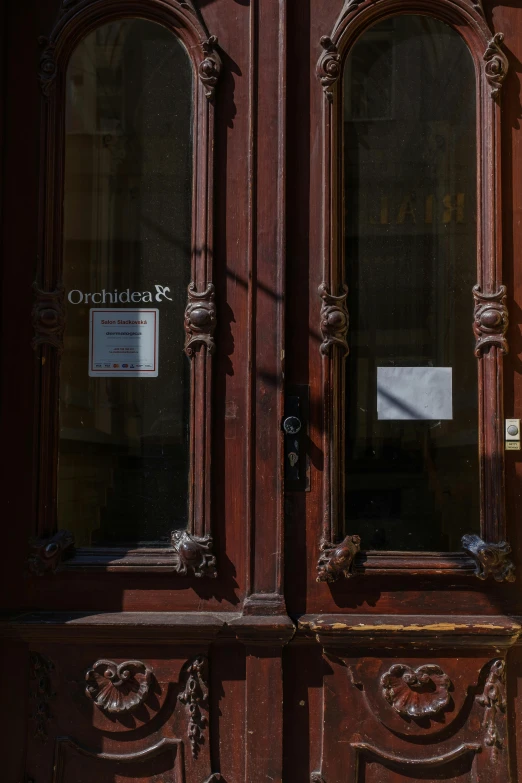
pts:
pixel 411 256
pixel 123 462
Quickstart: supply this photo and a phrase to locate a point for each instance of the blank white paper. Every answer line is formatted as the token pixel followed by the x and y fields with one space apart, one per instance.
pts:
pixel 408 393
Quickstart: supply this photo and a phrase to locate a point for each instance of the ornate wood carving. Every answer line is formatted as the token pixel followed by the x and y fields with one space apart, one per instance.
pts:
pixel 47 554
pixel 329 66
pixel 48 69
pixel 194 696
pixel 416 693
pixel 490 559
pixel 118 688
pixel 496 64
pixel 194 553
pixel 210 68
pixel 200 319
pixel 41 669
pixel 491 320
pixel 336 560
pixel 49 317
pixel 431 761
pixel 334 320
pixel 494 702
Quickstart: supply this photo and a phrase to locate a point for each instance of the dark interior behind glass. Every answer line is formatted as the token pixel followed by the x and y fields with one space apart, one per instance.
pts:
pixel 124 442
pixel 411 263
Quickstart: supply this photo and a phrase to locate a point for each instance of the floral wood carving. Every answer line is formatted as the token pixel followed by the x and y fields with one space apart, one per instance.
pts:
pixel 496 64
pixel 118 688
pixel 491 319
pixel 336 560
pixel 200 319
pixel 46 554
pixel 210 67
pixel 416 693
pixel 490 559
pixel 48 317
pixel 329 66
pixel 41 669
pixel 334 320
pixel 194 696
pixel 494 702
pixel 48 69
pixel 195 557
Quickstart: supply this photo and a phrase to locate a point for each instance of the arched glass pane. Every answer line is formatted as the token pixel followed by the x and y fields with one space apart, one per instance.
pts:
pixel 124 380
pixel 412 479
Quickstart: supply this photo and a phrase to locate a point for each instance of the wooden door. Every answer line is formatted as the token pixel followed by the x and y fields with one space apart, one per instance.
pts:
pixel 259 347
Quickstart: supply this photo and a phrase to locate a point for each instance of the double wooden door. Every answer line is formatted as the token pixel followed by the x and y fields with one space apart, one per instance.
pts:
pixel 260 391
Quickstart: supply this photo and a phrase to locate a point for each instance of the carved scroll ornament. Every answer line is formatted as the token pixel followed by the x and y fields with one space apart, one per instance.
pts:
pixel 194 696
pixel 48 68
pixel 195 557
pixel 118 688
pixel 336 560
pixel 490 319
pixel 210 67
pixel 416 693
pixel 490 559
pixel 49 317
pixel 46 554
pixel 334 320
pixel 494 702
pixel 200 319
pixel 329 66
pixel 496 64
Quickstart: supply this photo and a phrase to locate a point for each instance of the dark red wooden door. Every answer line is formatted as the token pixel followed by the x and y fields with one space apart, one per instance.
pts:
pixel 283 555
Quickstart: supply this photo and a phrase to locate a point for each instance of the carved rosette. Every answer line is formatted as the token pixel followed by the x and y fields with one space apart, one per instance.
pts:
pixel 195 557
pixel 48 68
pixel 491 319
pixel 493 700
pixel 334 320
pixel 210 67
pixel 336 560
pixel 41 669
pixel 496 64
pixel 329 66
pixel 490 559
pixel 200 319
pixel 48 317
pixel 416 693
pixel 46 554
pixel 194 696
pixel 118 688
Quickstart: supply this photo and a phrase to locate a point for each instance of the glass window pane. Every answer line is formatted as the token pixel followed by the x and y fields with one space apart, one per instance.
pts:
pixel 124 440
pixel 412 480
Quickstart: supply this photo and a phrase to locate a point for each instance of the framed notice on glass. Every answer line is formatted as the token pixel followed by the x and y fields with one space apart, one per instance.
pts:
pixel 123 342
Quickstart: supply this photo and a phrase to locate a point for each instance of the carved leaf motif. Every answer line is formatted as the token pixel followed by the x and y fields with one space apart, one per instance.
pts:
pixel 494 702
pixel 496 64
pixel 118 688
pixel 416 693
pixel 47 554
pixel 336 560
pixel 194 697
pixel 210 67
pixel 195 557
pixel 491 319
pixel 200 319
pixel 41 669
pixel 334 320
pixel 490 559
pixel 48 68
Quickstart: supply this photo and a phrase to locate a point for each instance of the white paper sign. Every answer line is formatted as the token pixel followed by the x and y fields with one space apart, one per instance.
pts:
pixel 123 342
pixel 406 393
